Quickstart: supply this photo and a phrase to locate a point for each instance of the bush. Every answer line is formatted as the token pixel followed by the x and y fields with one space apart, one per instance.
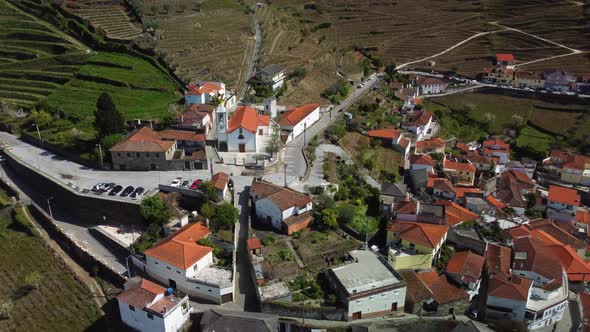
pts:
pixel 226 215
pixel 268 240
pixel 154 211
pixel 207 242
pixel 313 290
pixel 207 210
pixel 285 255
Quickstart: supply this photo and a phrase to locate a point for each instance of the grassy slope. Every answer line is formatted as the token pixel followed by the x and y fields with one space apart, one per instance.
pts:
pixel 61 303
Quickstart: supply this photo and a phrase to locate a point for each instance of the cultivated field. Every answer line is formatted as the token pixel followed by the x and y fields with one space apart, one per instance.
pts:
pixel 35 57
pixel 60 304
pixel 109 17
pixel 382 158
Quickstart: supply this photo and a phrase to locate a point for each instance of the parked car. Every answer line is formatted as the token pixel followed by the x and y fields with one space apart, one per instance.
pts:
pixel 176 182
pixel 127 191
pixel 137 192
pixel 98 187
pixel 116 189
pixel 196 184
pixel 107 186
pixel 184 184
pixel 2 159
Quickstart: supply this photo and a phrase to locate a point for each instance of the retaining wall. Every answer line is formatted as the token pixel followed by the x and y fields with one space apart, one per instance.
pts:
pixel 291 310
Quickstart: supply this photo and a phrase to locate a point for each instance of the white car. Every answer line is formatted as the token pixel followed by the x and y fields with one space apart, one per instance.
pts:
pixel 176 182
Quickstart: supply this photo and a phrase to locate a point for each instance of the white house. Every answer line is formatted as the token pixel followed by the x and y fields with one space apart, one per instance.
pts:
pixel 422 161
pixel 562 203
pixel 368 286
pixel 149 307
pixel 420 123
pixel 220 181
pixel 496 148
pixel 272 75
pixel 247 131
pixel 465 267
pixel 283 208
pixel 203 92
pixel 297 120
pixel 183 264
pixel 430 85
pixel 395 137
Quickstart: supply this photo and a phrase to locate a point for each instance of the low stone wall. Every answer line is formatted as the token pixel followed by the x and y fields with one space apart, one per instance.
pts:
pixel 292 310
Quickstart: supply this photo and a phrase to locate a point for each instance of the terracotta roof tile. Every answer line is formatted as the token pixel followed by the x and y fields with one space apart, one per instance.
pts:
pixel 492 200
pixel 456 214
pixel 141 294
pixel 431 143
pixel 532 254
pixel 504 57
pixel 429 80
pixel 422 159
pixel 244 117
pixel 219 180
pixel 182 135
pixel 443 291
pixel 462 146
pixel 496 144
pixel 384 133
pixel 203 87
pixel 428 235
pixel 558 233
pixel 143 140
pixel 466 264
pixel 420 118
pixel 498 258
pixel 577 269
pixel 564 195
pixel 293 117
pixel 456 166
pixel 181 249
pixel 283 197
pixel 514 288
pixel 583 216
pixel 416 290
pixel 461 191
pixel 254 243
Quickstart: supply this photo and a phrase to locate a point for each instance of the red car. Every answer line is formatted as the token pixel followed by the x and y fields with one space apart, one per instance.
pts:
pixel 196 184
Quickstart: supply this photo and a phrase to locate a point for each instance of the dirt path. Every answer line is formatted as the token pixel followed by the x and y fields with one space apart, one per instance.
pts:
pixel 295 254
pixel 99 297
pixel 275 40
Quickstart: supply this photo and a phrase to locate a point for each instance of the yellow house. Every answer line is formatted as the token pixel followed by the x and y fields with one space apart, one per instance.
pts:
pixel 463 172
pixel 416 238
pixel 400 260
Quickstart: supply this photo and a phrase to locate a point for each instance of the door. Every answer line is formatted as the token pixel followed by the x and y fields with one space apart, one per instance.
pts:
pixel 394 306
pixel 356 315
pixel 260 132
pixel 242 147
pixel 227 298
pixel 172 283
pixel 153 167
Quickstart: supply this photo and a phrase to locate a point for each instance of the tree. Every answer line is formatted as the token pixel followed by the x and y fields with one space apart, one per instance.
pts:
pixel 41 118
pixel 154 211
pixel 33 279
pixel 225 216
pixel 109 141
pixel 108 120
pixel 275 144
pixel 345 213
pixel 207 242
pixel 329 218
pixel 207 210
pixel 208 190
pixel 324 201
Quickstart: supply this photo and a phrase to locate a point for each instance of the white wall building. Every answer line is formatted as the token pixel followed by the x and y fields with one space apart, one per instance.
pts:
pixel 272 75
pixel 562 203
pixel 420 124
pixel 368 286
pixel 297 120
pixel 247 131
pixel 149 307
pixel 203 92
pixel 430 85
pixel 180 262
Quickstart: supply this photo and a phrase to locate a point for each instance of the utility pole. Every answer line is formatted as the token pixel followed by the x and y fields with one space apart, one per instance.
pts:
pixel 285 168
pixel 100 154
pixel 49 206
pixel 211 166
pixel 38 132
pixel 304 130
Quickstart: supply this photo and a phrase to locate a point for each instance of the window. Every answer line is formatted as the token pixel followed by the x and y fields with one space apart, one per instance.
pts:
pixel 209 290
pixel 195 267
pixel 132 308
pixel 137 154
pixel 198 287
pixel 168 268
pixel 147 154
pixel 150 316
pixel 157 155
pixel 177 271
pixel 156 263
pixel 118 154
pixel 240 131
pixel 128 154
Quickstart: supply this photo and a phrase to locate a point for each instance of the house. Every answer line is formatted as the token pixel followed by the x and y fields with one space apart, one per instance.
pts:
pixel 297 120
pixel 393 137
pixel 445 189
pixel 446 297
pixel 422 161
pixel 498 259
pixel 416 237
pixel 527 79
pixel 483 163
pixel 391 194
pixel 574 169
pixel 367 286
pixel 558 80
pixel 513 186
pixel 504 60
pixel 462 174
pixel 507 297
pixel 551 228
pixel 430 85
pixel 284 209
pixel 414 210
pixel 226 320
pixel 183 264
pixel 197 117
pixel 272 76
pixel 500 76
pixel 146 306
pixel 456 214
pixel 254 246
pixel 433 145
pixel 577 269
pixel 408 96
pixel 247 131
pixel 419 123
pixel 416 294
pixel 146 149
pixel 496 148
pixel 219 181
pixel 479 205
pixel 562 203
pixel 203 92
pixel 464 268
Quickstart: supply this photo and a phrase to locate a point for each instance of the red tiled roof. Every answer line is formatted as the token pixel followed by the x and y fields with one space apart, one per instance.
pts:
pixel 182 135
pixel 585 299
pixel 577 162
pixel 293 117
pixel 461 191
pixel 141 294
pixel 496 144
pixel 475 158
pixel 466 264
pixel 504 57
pixel 583 216
pixel 254 243
pixel 384 133
pixel 282 197
pixel 181 249
pixel 428 277
pixel 456 166
pixel 456 214
pixel 422 159
pixel 244 117
pixel 428 235
pixel 429 80
pixel 577 269
pixel 492 200
pixel 519 231
pixel 403 142
pixel 531 254
pixel 462 146
pixel 433 180
pixel 143 140
pixel 561 235
pixel 421 118
pixel 431 143
pixel 514 288
pixel 498 258
pixel 219 180
pixel 264 120
pixel 206 87
pixel 442 290
pixel 563 195
pixel 406 207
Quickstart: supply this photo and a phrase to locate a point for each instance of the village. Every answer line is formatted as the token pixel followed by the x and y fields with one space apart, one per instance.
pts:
pixel 450 229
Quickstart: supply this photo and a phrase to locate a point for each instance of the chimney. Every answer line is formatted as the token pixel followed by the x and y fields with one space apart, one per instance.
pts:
pixel 418 208
pixel 165 309
pixel 207 222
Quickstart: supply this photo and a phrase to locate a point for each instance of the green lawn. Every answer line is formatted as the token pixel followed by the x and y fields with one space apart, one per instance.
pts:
pixel 534 141
pixel 60 304
pixel 361 222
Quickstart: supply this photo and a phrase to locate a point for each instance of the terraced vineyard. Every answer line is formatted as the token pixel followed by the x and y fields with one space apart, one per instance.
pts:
pixel 108 16
pixel 35 57
pixel 208 46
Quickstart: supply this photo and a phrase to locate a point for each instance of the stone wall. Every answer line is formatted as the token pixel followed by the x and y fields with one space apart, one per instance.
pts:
pixel 292 310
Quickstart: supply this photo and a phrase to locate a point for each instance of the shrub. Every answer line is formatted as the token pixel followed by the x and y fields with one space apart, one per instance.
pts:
pixel 207 242
pixel 268 240
pixel 154 211
pixel 285 255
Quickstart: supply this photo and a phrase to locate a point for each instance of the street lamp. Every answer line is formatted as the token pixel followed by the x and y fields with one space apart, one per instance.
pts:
pixel 304 129
pixel 49 206
pixel 100 154
pixel 38 132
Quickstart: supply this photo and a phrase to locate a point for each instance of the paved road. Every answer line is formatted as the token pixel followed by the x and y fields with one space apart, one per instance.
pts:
pixel 255 52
